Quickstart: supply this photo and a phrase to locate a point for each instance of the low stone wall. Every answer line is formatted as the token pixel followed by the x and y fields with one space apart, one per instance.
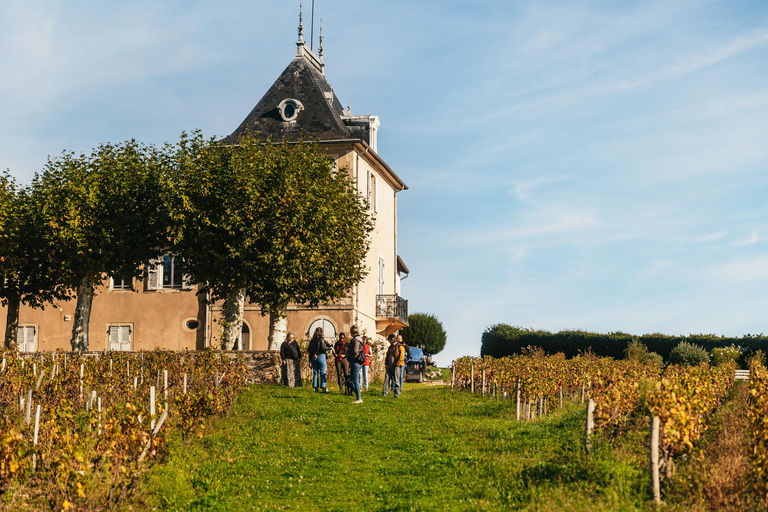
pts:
pixel 264 365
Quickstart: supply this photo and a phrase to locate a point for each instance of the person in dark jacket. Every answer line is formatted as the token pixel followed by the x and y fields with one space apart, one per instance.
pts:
pixel 317 349
pixel 356 358
pixel 342 365
pixel 290 353
pixel 392 362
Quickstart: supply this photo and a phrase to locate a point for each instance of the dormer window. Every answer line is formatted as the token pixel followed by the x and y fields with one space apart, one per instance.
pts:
pixel 289 109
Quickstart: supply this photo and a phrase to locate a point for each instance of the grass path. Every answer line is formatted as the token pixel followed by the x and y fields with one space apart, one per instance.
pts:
pixel 430 449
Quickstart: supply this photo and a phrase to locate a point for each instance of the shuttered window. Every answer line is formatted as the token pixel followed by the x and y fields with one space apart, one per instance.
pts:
pixel 26 338
pixel 381 275
pixel 120 337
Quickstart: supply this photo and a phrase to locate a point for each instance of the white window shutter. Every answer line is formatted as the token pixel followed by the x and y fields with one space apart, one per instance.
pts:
pixel 114 337
pixel 155 274
pixel 368 190
pixel 125 338
pixel 186 283
pixel 376 194
pixel 381 276
pixel 25 338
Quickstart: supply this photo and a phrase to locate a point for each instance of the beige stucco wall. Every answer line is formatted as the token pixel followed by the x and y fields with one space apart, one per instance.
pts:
pixel 156 317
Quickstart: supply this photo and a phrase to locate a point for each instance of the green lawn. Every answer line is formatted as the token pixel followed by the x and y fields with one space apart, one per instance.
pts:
pixel 430 449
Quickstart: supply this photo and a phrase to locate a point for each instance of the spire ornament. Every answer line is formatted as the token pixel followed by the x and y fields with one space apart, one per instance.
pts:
pixel 300 42
pixel 320 48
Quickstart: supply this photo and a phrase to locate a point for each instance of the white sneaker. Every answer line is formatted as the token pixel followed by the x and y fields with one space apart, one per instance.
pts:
pixel 357 402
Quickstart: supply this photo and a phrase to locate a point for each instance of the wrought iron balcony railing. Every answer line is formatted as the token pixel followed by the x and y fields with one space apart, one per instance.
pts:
pixel 392 306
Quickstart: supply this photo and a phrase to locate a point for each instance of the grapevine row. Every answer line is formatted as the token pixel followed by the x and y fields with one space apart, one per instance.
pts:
pixel 96 432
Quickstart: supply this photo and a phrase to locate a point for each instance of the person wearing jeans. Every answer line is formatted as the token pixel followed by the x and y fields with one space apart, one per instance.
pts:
pixel 393 362
pixel 316 350
pixel 355 358
pixel 367 364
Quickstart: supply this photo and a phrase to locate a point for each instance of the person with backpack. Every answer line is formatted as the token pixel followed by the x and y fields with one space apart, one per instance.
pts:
pixel 356 358
pixel 407 356
pixel 393 361
pixel 317 349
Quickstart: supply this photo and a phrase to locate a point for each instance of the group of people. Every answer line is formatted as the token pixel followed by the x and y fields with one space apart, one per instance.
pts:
pixel 352 358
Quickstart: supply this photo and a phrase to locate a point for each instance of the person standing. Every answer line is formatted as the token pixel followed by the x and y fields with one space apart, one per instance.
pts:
pixel 355 357
pixel 367 363
pixel 342 365
pixel 393 363
pixel 407 356
pixel 290 353
pixel 317 349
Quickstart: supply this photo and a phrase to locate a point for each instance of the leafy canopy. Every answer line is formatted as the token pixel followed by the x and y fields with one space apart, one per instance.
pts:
pixel 106 212
pixel 425 330
pixel 275 219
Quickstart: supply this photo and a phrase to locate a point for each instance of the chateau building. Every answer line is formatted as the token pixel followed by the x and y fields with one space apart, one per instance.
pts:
pixel 163 310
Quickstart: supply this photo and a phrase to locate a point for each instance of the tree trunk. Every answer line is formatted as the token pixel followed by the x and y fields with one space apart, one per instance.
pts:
pixel 233 319
pixel 12 323
pixel 79 340
pixel 278 326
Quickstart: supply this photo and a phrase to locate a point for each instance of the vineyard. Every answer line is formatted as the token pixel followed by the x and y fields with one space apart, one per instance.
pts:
pixel 77 431
pixel 682 398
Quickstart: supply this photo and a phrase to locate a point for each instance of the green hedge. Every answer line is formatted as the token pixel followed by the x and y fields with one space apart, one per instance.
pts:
pixel 502 340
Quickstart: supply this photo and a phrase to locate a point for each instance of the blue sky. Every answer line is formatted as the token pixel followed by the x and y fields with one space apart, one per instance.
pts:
pixel 573 164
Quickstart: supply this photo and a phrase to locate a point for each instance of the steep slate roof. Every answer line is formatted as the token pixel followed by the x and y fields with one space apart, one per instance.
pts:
pixel 321 118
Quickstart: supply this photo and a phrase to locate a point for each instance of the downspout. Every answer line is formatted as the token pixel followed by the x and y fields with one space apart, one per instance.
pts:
pixel 206 340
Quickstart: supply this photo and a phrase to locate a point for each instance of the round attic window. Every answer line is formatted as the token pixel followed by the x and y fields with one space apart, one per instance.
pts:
pixel 289 109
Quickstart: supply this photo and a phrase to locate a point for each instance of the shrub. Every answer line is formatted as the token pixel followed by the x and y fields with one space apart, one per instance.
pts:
pixel 721 355
pixel 637 351
pixel 688 354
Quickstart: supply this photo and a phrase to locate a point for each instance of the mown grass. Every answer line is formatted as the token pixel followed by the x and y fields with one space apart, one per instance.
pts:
pixel 430 449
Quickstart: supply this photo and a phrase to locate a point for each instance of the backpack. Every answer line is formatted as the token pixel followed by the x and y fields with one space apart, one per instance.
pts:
pixel 391 359
pixel 356 351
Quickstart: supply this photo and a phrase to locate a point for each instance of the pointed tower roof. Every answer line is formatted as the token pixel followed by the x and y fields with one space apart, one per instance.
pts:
pixel 301 102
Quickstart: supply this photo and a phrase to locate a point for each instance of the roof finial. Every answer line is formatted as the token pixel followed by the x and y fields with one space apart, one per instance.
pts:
pixel 320 48
pixel 300 42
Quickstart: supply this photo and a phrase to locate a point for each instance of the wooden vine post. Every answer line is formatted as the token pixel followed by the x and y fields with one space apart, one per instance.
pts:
pixel 517 402
pixel 472 378
pixel 654 459
pixel 590 425
pixel 482 392
pixel 453 375
pixel 152 410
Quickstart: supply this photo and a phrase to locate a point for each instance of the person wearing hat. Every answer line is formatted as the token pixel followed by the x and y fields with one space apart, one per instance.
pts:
pixel 392 362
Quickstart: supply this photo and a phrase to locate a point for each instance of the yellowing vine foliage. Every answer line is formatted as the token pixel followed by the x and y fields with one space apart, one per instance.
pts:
pixel 757 413
pixel 682 396
pixel 86 459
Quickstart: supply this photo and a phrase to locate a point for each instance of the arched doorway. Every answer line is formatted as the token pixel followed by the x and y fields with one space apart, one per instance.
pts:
pixel 329 330
pixel 244 342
